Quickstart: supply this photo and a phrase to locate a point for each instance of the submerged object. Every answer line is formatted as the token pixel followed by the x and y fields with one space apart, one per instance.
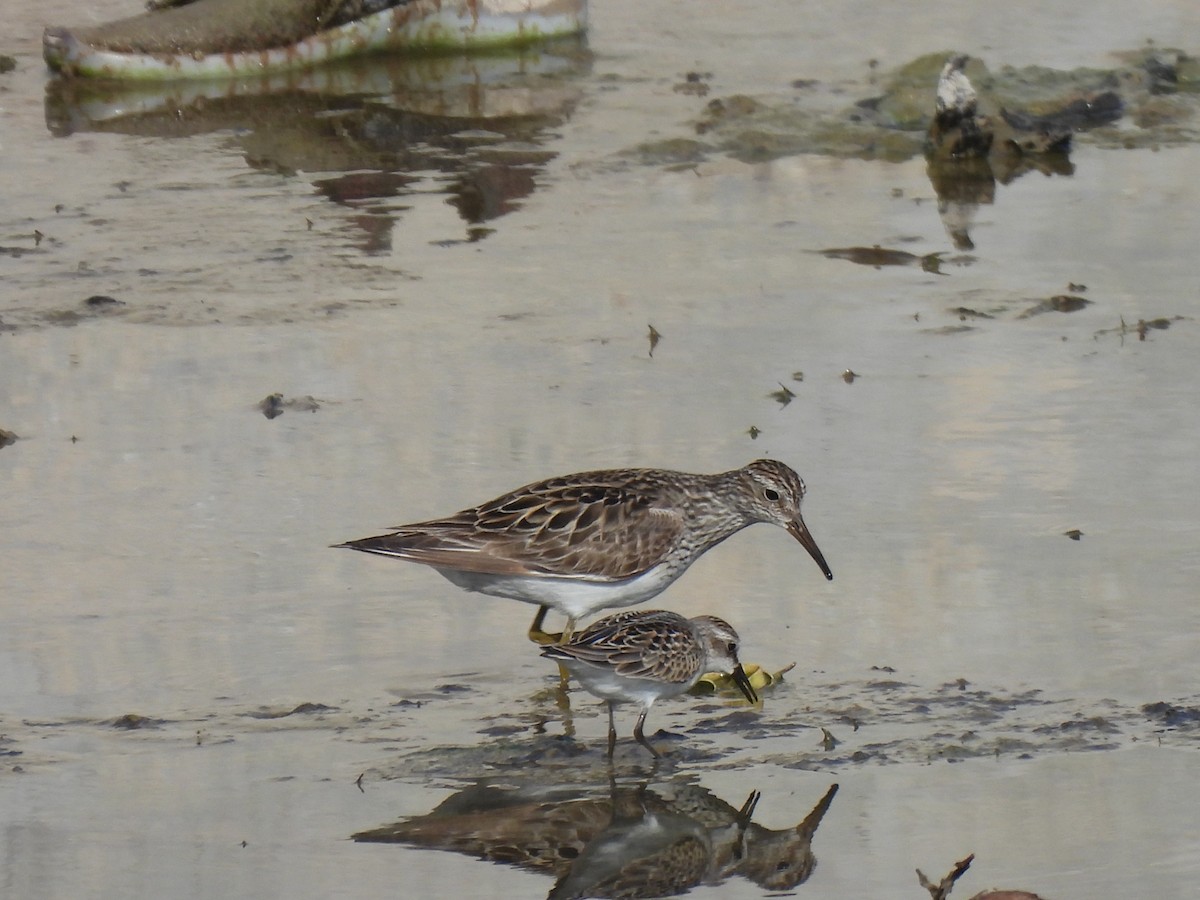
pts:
pixel 960 131
pixel 230 38
pixel 957 131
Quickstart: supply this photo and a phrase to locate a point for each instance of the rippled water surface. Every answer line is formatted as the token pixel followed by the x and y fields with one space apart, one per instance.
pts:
pixel 450 272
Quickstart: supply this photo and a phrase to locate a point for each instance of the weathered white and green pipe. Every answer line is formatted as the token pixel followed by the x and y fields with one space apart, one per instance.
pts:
pixel 237 38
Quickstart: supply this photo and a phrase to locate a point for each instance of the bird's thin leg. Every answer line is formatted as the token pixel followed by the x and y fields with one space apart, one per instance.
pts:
pixel 612 731
pixel 641 738
pixel 540 636
pixel 563 701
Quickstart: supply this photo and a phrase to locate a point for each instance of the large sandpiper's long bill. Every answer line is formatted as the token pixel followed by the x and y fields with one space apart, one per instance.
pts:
pixel 237 38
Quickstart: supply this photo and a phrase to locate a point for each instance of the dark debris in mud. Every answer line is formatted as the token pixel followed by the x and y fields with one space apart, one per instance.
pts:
pixel 304 709
pixel 964 313
pixel 694 83
pixel 1064 303
pixel 804 724
pixel 949 329
pixel 818 727
pixel 17 252
pixel 453 688
pixel 983 309
pixel 7 746
pixel 134 722
pixel 1141 328
pixel 877 257
pixel 93 307
pixel 1172 716
pixel 102 301
pixel 273 405
pixel 783 396
pixel 654 336
pixel 739 720
pixel 898 723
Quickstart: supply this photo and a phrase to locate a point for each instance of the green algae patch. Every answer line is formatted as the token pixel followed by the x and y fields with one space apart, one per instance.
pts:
pixel 679 151
pixel 1151 98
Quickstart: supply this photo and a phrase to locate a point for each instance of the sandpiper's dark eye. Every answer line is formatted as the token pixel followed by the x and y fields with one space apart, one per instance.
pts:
pixel 771 494
pixel 732 648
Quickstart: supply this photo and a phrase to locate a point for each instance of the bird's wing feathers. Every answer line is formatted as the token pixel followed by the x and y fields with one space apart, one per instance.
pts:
pixel 562 528
pixel 634 645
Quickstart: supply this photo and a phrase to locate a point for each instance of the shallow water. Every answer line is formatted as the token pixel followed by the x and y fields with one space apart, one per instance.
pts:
pixel 477 317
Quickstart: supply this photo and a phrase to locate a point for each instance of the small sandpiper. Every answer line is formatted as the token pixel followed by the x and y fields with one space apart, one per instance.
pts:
pixel 640 657
pixel 596 540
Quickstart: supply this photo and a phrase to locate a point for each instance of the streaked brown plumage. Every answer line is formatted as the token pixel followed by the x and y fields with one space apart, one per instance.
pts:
pixel 641 657
pixel 611 538
pixel 636 842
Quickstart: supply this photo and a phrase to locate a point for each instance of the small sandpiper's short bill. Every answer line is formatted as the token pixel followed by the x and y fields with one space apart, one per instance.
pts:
pixel 639 657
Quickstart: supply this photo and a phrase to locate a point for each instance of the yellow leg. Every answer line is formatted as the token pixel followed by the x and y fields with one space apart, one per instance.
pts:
pixel 564 682
pixel 539 635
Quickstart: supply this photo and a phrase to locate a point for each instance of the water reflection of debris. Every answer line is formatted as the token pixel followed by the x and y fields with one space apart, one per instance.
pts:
pixel 655 337
pixel 273 405
pixel 378 130
pixel 941 890
pixel 969 151
pixel 1141 328
pixel 633 841
pixel 959 130
pixel 877 257
pixel 783 396
pixel 1064 303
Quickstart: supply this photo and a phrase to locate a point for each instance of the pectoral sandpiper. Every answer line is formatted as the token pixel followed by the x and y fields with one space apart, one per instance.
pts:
pixel 595 540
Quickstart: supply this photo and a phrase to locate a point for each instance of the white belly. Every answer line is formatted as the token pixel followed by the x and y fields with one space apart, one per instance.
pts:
pixel 574 597
pixel 602 682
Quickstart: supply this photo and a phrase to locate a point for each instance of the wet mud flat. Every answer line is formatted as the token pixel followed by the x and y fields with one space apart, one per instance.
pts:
pixel 480 131
pixel 805 724
pixel 746 801
pixel 406 285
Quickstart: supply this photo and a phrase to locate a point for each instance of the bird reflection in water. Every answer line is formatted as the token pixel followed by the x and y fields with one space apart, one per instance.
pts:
pixel 636 841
